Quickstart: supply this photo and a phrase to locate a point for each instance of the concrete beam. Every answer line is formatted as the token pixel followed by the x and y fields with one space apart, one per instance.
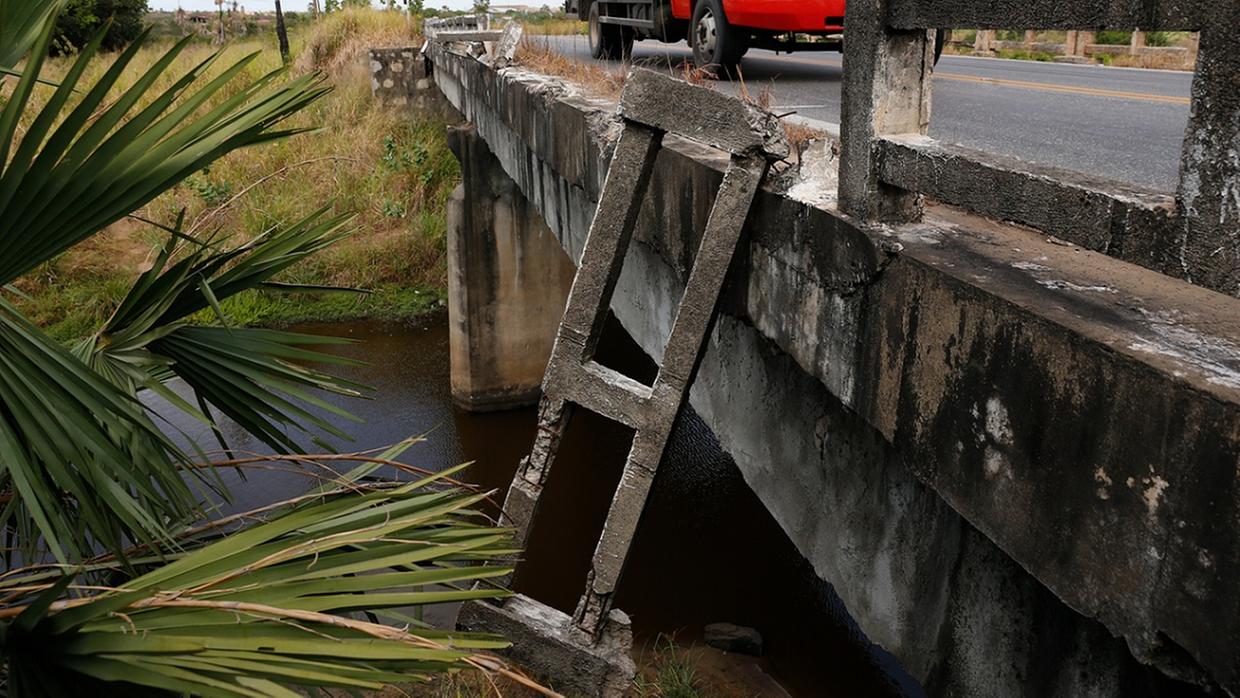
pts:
pixel 545 643
pixel 1150 15
pixel 718 120
pixel 467 36
pixel 1122 220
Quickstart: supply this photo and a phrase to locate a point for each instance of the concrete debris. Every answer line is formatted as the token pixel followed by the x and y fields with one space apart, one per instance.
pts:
pixel 545 643
pixel 506 46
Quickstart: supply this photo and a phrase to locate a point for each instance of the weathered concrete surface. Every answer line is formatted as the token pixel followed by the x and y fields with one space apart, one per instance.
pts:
pixel 507 282
pixel 993 414
pixel 545 643
pixel 886 90
pixel 886 78
pixel 1209 192
pixel 1121 220
pixel 650 105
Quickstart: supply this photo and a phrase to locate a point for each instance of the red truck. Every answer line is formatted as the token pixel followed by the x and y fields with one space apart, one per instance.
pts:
pixel 719 31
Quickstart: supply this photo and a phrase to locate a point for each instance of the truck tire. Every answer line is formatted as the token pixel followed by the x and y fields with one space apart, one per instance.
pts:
pixel 608 41
pixel 717 45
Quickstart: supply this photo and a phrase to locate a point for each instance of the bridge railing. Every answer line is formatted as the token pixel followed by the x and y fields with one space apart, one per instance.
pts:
pixel 461 23
pixel 888 163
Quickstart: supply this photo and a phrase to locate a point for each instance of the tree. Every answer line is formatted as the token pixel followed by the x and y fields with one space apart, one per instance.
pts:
pixel 81 19
pixel 129 587
pixel 281 33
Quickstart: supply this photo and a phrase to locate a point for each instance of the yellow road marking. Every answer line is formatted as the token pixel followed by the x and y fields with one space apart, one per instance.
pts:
pixel 1029 85
pixel 1004 82
pixel 1069 89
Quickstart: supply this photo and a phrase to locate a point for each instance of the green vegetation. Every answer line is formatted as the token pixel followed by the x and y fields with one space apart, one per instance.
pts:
pixel 81 19
pixel 675 675
pixel 393 172
pixel 1022 55
pixel 123 576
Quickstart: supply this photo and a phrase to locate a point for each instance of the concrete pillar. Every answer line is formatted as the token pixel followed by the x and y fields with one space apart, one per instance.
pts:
pixel 1137 43
pixel 983 42
pixel 1208 197
pixel 886 91
pixel 1030 37
pixel 1084 40
pixel 1194 46
pixel 508 280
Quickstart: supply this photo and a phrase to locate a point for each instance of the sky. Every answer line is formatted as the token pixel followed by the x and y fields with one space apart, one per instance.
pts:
pixel 289 5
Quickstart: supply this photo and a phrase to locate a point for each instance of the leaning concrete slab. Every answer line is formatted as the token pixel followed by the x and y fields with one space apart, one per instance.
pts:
pixel 651 106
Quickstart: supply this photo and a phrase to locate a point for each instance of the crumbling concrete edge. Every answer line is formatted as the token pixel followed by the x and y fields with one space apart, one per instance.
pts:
pixel 546 644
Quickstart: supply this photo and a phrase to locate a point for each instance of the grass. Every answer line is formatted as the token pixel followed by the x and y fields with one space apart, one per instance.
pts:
pixel 393 171
pixel 552 24
pixel 671 674
pixel 1022 55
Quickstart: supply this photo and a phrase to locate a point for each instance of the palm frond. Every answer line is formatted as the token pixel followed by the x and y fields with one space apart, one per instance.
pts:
pixel 78 169
pixel 21 23
pixel 270 606
pixel 84 465
pixel 259 378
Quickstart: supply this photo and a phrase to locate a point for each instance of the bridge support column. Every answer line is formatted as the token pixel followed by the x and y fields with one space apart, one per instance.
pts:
pixel 508 280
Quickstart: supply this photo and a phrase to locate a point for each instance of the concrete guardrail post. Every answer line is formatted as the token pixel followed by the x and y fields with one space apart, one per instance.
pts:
pixel 1208 197
pixel 886 91
pixel 983 42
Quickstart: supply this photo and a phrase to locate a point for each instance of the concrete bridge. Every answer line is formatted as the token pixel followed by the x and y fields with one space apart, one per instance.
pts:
pixel 1002 418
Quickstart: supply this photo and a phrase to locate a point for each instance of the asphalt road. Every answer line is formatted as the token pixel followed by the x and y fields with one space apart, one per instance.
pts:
pixel 1119 123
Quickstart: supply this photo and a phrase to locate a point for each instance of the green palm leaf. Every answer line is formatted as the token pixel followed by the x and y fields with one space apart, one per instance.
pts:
pixel 21 23
pixel 81 464
pixel 268 607
pixel 67 182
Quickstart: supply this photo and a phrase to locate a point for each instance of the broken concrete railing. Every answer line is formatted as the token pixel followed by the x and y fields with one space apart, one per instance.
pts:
pixel 887 162
pixel 475 34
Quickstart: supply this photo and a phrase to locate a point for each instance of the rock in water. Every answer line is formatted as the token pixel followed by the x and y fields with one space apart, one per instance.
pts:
pixel 734 638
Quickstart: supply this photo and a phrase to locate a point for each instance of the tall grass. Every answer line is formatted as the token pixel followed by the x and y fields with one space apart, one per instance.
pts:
pixel 391 167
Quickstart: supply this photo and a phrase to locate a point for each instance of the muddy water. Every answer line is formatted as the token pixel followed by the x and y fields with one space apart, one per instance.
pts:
pixel 706 549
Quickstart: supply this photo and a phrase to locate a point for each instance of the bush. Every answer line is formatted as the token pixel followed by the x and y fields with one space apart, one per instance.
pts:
pixel 1159 39
pixel 1114 38
pixel 81 19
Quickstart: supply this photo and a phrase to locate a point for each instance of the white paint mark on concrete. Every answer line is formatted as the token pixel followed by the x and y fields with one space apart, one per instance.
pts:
pixel 998 424
pixel 1153 494
pixel 1061 285
pixel 1104 481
